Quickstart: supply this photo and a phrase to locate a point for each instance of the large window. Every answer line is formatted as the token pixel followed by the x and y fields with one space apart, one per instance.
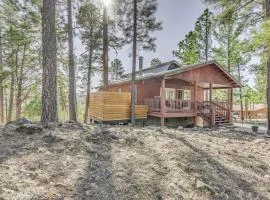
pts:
pixel 184 94
pixel 187 95
pixel 170 93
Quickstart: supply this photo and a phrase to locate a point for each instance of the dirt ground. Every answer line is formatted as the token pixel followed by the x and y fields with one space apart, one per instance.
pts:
pixel 120 162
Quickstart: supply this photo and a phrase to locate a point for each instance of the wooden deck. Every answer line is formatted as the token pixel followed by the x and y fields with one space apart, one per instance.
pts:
pixel 213 113
pixel 173 108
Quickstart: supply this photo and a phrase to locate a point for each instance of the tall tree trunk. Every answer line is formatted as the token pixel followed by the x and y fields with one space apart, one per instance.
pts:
pixel 6 104
pixel 241 94
pixel 229 50
pixel 88 90
pixel 62 99
pixel 72 90
pixel 49 83
pixel 207 40
pixel 12 84
pixel 11 97
pixel 19 86
pixel 105 49
pixel 2 120
pixel 267 17
pixel 134 59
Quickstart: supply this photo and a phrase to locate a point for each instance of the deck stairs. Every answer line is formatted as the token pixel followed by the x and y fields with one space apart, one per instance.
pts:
pixel 213 114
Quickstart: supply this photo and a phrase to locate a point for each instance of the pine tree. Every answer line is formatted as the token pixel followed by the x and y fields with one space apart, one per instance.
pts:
pixel 21 55
pixel 105 55
pixel 1 79
pixel 231 21
pixel 267 18
pixel 117 69
pixel 91 36
pixel 203 29
pixel 72 84
pixel 137 20
pixel 49 83
pixel 227 33
pixel 188 50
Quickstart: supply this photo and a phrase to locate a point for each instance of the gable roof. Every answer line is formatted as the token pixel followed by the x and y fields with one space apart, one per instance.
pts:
pixel 180 69
pixel 202 64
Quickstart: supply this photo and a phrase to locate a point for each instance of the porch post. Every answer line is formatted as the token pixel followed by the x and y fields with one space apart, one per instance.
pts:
pixel 196 123
pixel 210 100
pixel 162 102
pixel 211 93
pixel 231 104
pixel 195 95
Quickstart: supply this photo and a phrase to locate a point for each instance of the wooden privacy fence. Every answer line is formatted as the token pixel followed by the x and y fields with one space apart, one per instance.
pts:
pixel 114 106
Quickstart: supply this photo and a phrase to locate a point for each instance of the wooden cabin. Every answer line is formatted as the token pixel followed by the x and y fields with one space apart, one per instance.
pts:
pixel 182 95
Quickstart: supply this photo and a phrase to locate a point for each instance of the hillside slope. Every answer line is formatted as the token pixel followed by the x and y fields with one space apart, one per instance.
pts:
pixel 120 162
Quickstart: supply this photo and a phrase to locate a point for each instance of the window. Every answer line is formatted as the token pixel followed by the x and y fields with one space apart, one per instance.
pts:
pixel 184 94
pixel 170 93
pixel 187 94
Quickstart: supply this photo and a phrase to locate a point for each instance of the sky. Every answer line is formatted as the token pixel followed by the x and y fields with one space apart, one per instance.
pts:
pixel 178 17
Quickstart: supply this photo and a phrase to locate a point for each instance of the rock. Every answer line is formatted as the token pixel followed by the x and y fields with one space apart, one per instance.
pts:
pixel 29 129
pixel 12 126
pixel 19 122
pixel 9 129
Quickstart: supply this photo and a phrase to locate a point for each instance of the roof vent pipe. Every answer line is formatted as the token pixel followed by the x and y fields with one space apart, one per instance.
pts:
pixel 140 65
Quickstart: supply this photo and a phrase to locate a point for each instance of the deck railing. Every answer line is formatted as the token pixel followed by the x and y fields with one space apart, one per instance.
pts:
pixel 171 105
pixel 223 104
pixel 221 108
pixel 175 105
pixel 186 106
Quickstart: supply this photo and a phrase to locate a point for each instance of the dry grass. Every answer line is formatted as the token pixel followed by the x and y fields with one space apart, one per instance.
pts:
pixel 120 162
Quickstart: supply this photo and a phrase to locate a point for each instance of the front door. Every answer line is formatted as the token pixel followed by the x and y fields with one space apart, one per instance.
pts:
pixel 180 94
pixel 184 96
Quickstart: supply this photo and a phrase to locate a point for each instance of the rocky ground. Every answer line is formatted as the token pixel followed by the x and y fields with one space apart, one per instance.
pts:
pixel 70 161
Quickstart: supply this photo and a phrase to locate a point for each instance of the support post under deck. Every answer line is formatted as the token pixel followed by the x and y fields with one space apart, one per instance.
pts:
pixel 162 102
pixel 231 104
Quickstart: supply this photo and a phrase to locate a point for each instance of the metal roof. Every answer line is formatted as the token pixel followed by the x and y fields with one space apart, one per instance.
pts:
pixel 163 67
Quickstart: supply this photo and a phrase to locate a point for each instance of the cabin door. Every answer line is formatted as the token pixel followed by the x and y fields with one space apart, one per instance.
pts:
pixel 185 97
pixel 180 94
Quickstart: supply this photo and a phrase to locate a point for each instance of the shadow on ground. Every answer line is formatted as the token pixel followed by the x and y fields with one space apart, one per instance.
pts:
pixel 218 180
pixel 96 182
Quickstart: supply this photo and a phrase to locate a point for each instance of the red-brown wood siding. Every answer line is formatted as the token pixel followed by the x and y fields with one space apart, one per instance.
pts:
pixel 151 88
pixel 206 74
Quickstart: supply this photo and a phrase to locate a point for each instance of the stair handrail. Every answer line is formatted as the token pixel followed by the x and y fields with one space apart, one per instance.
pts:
pixel 204 115
pixel 220 106
pixel 227 111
